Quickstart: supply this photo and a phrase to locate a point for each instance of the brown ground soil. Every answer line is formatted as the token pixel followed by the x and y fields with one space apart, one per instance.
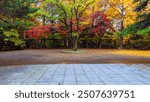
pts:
pixel 89 56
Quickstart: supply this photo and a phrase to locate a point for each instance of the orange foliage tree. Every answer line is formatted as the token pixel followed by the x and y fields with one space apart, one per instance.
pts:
pixel 37 32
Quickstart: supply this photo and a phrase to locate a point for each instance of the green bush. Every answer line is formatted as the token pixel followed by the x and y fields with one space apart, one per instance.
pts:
pixel 138 44
pixel 11 40
pixel 145 31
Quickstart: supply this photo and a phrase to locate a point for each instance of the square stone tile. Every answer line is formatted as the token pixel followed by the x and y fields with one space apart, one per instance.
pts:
pixel 56 83
pixel 58 78
pixel 70 83
pixel 82 78
pixel 83 83
pixel 69 78
pixel 118 79
pixel 97 83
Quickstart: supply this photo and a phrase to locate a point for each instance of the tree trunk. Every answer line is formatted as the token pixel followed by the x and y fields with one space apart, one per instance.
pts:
pixel 99 42
pixel 115 45
pixel 121 37
pixel 75 44
pixel 122 27
pixel 121 42
pixel 44 20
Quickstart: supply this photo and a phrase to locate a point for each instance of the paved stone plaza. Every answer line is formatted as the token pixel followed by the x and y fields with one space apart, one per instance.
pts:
pixel 76 74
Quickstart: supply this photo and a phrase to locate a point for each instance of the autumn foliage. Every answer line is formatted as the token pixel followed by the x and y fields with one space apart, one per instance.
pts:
pixel 101 23
pixel 61 29
pixel 37 32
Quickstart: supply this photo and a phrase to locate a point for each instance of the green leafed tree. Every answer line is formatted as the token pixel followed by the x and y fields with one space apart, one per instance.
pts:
pixel 14 15
pixel 69 14
pixel 142 25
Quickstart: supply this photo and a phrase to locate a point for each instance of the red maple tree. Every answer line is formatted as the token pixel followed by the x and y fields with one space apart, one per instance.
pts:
pixel 100 24
pixel 36 32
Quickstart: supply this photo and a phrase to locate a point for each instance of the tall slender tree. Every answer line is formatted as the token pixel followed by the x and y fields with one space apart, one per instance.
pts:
pixel 122 14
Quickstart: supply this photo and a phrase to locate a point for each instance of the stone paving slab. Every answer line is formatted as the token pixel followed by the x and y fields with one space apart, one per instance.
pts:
pixel 76 74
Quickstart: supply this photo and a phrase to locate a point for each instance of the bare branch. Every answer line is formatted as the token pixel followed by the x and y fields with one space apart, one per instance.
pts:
pixel 113 7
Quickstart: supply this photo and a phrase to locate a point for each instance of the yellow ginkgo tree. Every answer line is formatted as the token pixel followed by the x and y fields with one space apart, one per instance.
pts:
pixel 122 13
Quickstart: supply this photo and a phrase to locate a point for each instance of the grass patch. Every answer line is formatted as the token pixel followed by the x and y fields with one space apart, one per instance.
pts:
pixel 71 51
